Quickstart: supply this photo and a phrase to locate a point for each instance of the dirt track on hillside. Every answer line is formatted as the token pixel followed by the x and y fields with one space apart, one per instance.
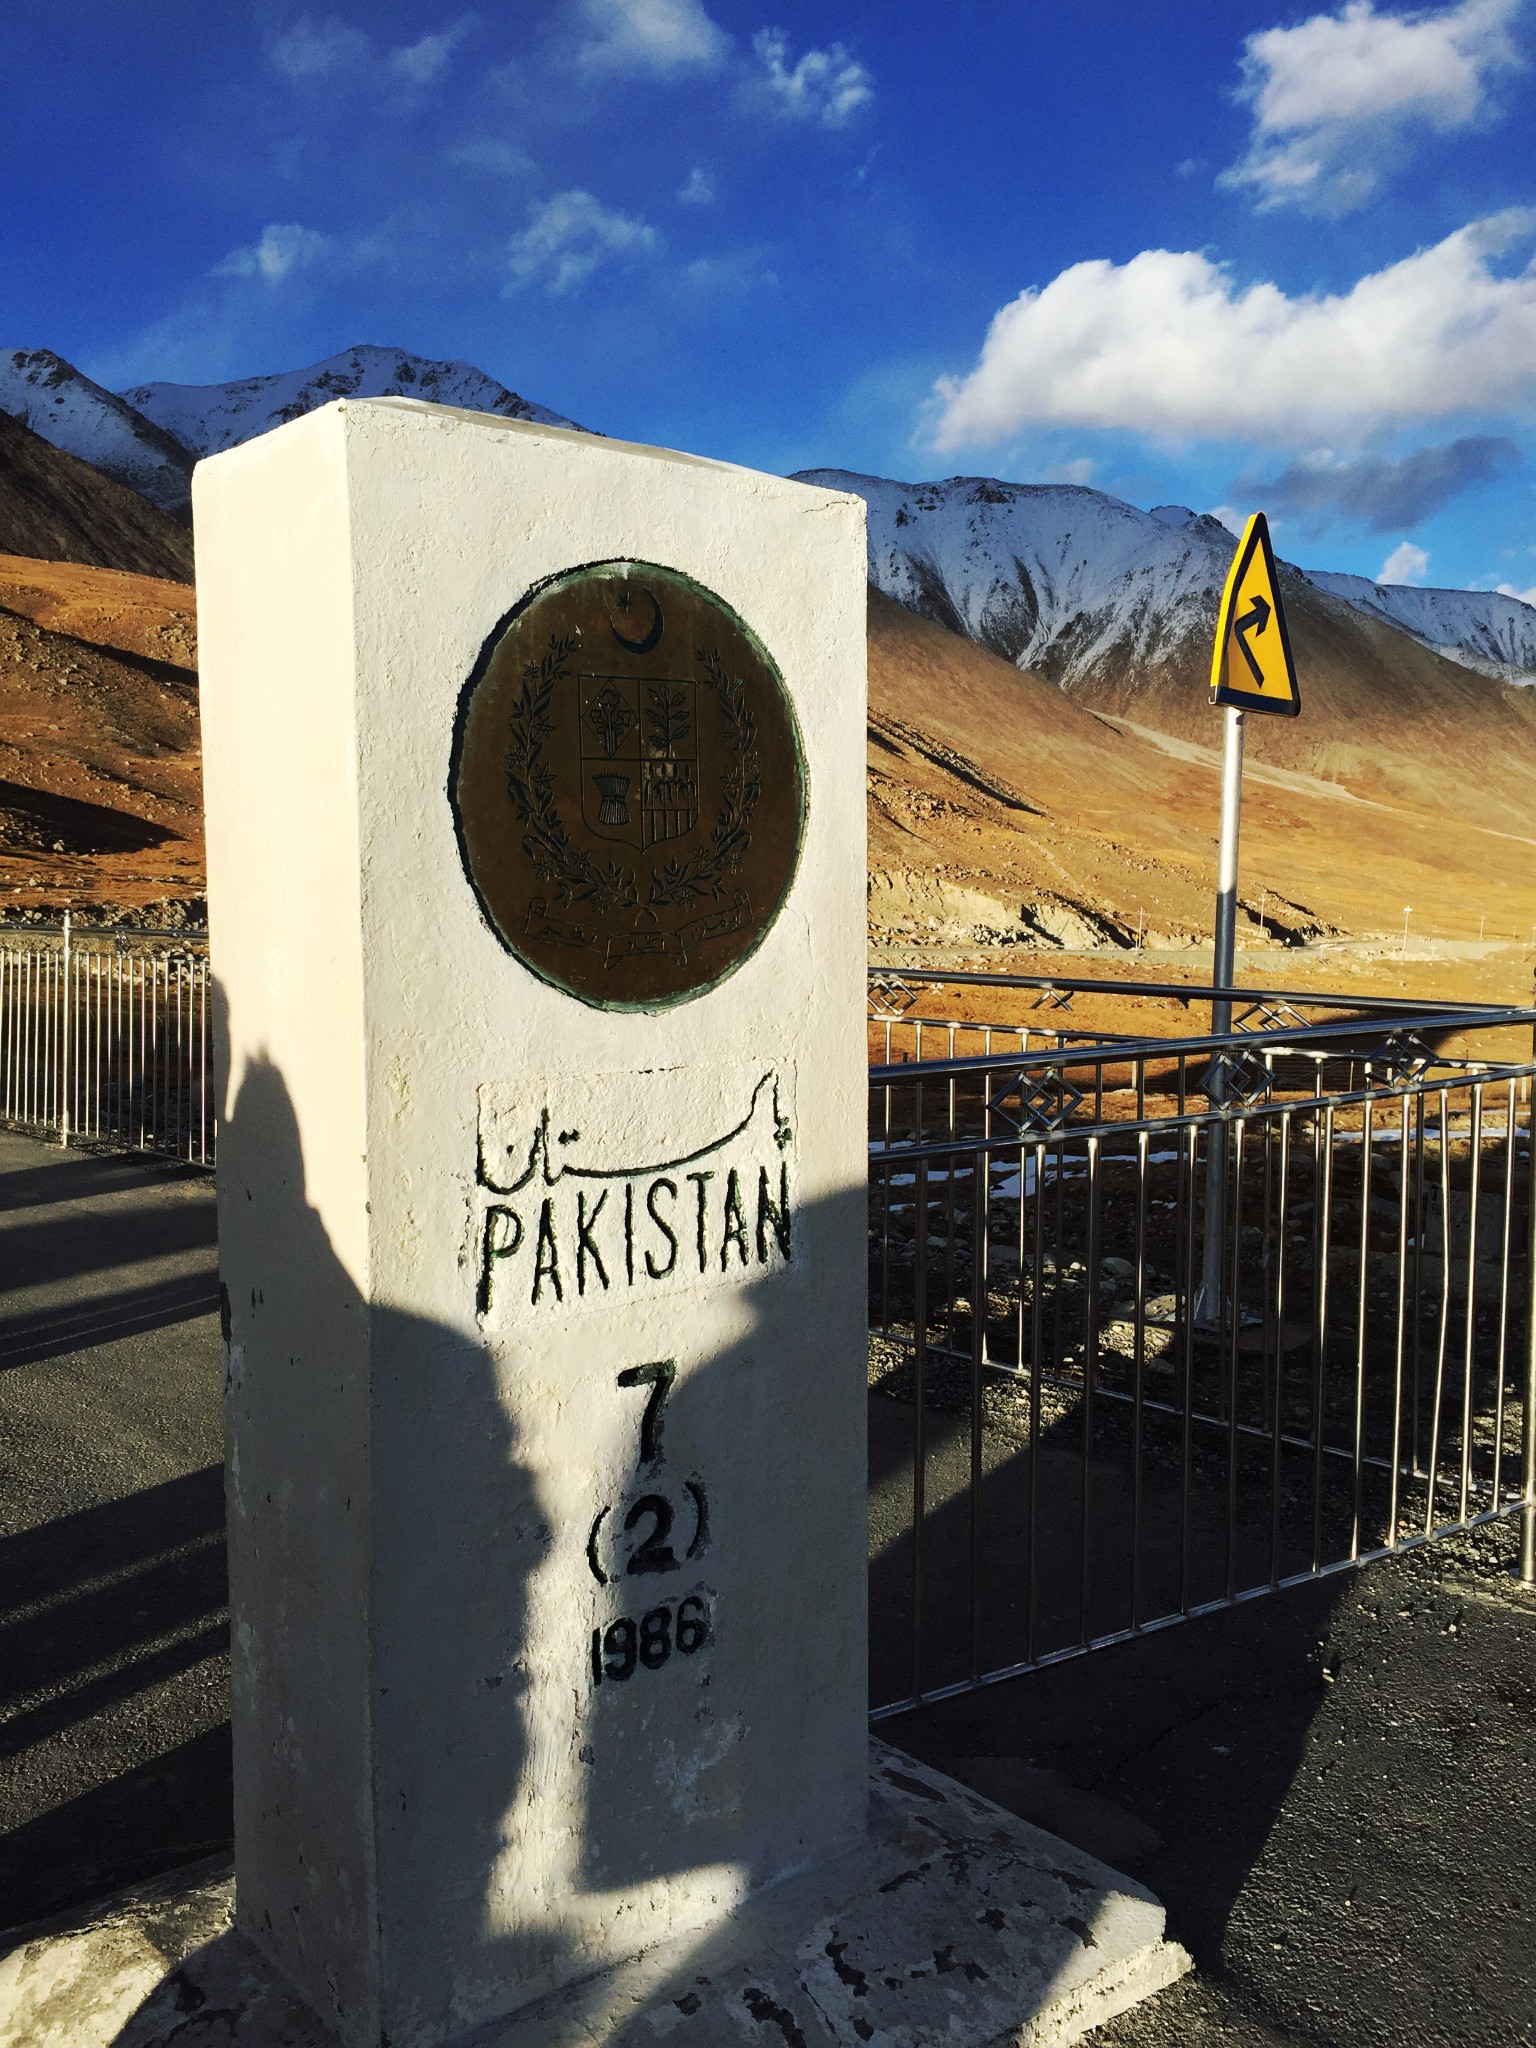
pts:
pixel 1011 826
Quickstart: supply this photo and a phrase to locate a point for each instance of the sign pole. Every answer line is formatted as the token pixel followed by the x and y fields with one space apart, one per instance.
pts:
pixel 1223 973
pixel 1252 669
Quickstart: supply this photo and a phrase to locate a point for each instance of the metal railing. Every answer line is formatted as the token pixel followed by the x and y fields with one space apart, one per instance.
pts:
pixel 105 1036
pixel 1070 1443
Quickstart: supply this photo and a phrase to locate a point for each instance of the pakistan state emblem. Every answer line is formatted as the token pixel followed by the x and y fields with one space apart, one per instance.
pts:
pixel 628 786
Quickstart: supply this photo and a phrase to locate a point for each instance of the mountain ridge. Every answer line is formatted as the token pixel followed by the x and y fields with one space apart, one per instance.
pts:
pixel 150 436
pixel 65 408
pixel 1060 578
pixel 1068 580
pixel 208 418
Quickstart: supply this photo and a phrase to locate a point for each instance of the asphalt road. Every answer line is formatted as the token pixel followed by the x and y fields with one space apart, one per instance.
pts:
pixel 114 1747
pixel 1334 1790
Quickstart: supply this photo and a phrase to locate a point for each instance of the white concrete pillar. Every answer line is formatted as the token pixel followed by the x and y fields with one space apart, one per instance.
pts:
pixel 546 1309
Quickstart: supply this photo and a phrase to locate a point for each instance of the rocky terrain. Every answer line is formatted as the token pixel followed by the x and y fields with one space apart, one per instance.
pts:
pixel 1011 821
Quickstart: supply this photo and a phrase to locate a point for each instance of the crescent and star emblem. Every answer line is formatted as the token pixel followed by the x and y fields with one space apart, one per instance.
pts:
pixel 652 634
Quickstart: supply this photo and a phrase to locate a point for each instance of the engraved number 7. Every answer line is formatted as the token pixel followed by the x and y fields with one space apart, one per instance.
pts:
pixel 658 1376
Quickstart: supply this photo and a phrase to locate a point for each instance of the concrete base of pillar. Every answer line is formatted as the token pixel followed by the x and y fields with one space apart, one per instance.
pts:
pixel 954 1922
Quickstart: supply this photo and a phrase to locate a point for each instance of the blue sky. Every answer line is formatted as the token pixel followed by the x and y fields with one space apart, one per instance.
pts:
pixel 1193 250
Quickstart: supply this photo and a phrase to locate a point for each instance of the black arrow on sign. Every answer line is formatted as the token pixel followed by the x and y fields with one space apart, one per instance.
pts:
pixel 1255 622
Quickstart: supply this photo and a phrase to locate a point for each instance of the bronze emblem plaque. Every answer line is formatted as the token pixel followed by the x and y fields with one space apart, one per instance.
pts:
pixel 628 786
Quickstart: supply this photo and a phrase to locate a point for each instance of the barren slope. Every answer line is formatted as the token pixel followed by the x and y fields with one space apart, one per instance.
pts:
pixel 1007 821
pixel 1005 818
pixel 1381 714
pixel 100 772
pixel 55 507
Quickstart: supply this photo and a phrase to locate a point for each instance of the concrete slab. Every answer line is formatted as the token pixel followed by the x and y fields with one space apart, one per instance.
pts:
pixel 955 1923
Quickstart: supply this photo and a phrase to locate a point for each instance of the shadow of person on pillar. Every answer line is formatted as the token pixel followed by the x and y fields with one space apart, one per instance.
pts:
pixel 335 1489
pixel 384 1512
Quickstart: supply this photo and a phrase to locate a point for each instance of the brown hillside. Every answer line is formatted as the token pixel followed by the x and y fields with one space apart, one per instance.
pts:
pixel 1005 818
pixel 1381 713
pixel 100 773
pixel 55 508
pixel 1007 821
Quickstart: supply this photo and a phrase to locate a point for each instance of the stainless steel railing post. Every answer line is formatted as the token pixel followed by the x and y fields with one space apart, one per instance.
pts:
pixel 66 1036
pixel 1528 1393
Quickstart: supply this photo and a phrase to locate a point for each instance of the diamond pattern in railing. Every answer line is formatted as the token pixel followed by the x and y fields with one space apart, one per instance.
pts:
pixel 1044 1100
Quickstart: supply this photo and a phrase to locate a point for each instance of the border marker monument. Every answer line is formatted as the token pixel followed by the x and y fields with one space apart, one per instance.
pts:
pixel 536 842
pixel 536 831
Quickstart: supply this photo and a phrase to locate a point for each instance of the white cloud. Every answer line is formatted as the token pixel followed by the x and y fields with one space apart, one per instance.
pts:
pixel 497 158
pixel 1509 590
pixel 1229 516
pixel 328 48
pixel 1405 564
pixel 425 61
pixel 741 270
pixel 280 250
pixel 1336 97
pixel 568 236
pixel 826 86
pixel 319 49
pixel 1079 471
pixel 1168 344
pixel 650 35
pixel 699 189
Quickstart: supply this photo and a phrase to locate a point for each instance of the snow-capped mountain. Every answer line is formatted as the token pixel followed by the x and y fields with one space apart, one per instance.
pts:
pixel 1071 582
pixel 209 417
pixel 1054 577
pixel 1482 629
pixel 65 408
pixel 150 437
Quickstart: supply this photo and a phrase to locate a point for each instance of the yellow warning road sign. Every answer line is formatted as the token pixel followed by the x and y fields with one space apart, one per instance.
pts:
pixel 1252 666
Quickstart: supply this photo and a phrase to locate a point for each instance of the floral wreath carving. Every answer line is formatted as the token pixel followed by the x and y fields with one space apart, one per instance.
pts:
pixel 610 886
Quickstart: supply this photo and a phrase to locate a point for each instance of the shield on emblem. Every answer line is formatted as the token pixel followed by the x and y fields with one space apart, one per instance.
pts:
pixel 610 757
pixel 639 758
pixel 669 756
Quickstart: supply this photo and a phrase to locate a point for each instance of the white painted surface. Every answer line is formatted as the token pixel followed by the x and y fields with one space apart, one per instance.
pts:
pixel 438 1816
